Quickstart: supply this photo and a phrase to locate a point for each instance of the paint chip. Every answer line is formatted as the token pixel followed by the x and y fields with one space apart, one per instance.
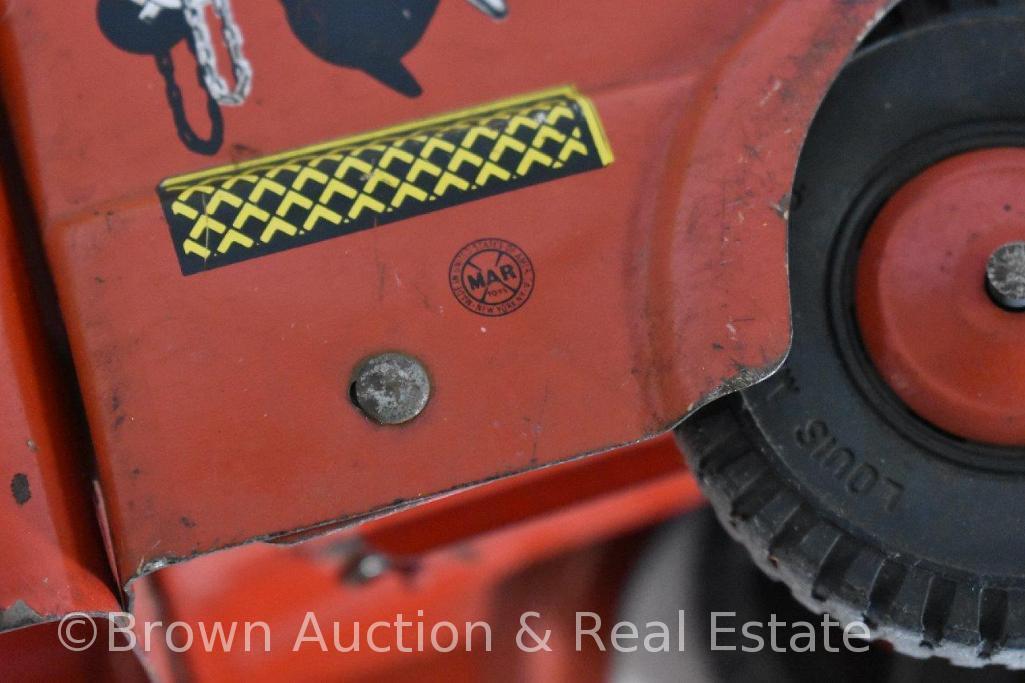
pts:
pixel 19 487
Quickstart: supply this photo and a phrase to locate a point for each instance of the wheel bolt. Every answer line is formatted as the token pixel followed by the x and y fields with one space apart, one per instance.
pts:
pixel 1005 276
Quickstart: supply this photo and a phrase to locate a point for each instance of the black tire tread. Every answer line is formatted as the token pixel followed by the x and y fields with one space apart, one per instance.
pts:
pixel 924 611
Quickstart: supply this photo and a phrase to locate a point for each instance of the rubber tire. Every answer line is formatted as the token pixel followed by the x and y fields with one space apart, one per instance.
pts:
pixel 859 507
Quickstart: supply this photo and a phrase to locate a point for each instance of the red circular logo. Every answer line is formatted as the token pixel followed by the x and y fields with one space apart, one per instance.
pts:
pixel 491 277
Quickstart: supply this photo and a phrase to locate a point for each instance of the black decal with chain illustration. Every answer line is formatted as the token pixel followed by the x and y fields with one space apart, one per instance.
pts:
pixel 154 27
pixel 369 36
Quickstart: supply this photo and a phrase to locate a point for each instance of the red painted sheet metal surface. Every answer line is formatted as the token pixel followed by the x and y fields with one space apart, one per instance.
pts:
pixel 51 556
pixel 557 560
pixel 34 655
pixel 218 402
pixel 555 540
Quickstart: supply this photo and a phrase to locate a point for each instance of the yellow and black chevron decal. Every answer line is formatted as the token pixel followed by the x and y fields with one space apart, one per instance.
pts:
pixel 239 212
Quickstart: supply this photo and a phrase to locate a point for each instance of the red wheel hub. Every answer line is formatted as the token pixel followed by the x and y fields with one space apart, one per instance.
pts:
pixel 936 336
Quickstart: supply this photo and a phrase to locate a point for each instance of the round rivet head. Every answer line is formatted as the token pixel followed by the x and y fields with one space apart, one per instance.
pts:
pixel 1005 276
pixel 391 388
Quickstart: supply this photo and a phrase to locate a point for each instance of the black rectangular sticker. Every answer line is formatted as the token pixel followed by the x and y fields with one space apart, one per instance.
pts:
pixel 234 213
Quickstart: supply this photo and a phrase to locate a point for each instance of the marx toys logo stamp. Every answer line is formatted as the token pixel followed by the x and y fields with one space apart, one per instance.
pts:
pixel 491 277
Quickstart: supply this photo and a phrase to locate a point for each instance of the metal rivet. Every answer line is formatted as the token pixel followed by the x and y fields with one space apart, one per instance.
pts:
pixel 366 568
pixel 391 388
pixel 1005 276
